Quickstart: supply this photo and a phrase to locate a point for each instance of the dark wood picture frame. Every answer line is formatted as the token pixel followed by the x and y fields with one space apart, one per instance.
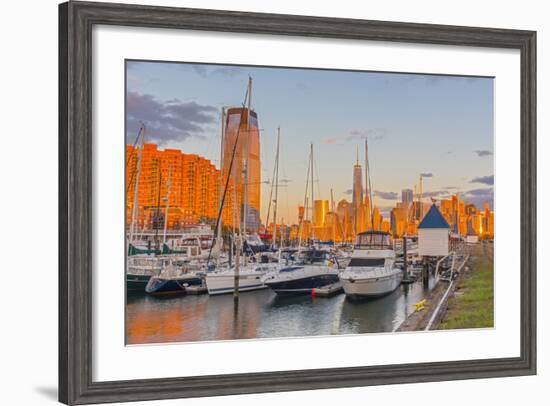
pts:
pixel 76 20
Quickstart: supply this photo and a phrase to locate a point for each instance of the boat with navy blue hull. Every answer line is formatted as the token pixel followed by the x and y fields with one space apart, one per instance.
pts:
pixel 313 269
pixel 173 281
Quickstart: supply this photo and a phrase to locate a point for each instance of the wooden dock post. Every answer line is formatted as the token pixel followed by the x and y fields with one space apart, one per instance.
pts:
pixel 405 270
pixel 237 265
pixel 425 271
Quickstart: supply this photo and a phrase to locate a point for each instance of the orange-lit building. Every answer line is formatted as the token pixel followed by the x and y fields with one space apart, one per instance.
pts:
pixel 320 210
pixel 194 188
pixel 241 128
pixel 345 216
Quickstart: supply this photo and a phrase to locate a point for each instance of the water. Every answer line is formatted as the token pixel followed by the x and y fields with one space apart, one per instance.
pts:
pixel 263 314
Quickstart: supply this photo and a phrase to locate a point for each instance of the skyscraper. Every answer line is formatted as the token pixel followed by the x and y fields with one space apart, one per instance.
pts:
pixel 242 129
pixel 357 192
pixel 320 211
pixel 407 197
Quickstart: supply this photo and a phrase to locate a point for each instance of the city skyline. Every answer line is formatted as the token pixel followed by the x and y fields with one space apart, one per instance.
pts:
pixel 403 145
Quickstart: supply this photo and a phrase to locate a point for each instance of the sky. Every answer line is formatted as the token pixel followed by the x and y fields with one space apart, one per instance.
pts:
pixel 435 125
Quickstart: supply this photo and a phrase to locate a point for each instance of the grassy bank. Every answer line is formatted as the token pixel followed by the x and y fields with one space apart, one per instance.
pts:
pixel 472 304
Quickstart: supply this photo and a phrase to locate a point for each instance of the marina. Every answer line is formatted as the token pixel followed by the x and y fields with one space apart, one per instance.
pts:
pixel 206 261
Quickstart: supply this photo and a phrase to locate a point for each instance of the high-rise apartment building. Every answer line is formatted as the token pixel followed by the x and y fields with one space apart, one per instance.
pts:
pixel 194 194
pixel 243 135
pixel 320 210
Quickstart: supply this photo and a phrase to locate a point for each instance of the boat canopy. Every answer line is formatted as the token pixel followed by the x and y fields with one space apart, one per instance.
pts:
pixel 312 257
pixel 373 240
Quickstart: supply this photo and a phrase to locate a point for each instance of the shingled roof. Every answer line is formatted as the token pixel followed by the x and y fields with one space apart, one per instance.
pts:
pixel 434 219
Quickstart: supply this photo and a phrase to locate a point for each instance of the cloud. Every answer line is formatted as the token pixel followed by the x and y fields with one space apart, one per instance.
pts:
pixel 427 175
pixel 479 196
pixel 487 180
pixel 450 187
pixel 206 71
pixel 434 193
pixel 482 152
pixel 479 192
pixel 173 120
pixel 372 134
pixel 348 192
pixel 386 195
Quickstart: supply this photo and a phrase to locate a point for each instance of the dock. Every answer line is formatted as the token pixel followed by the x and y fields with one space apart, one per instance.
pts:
pixel 329 290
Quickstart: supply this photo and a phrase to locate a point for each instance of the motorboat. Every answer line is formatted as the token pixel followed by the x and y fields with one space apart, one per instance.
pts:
pixel 312 269
pixel 371 271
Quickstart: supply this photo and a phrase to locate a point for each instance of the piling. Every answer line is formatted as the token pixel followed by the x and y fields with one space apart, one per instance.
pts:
pixel 425 271
pixel 237 265
pixel 405 261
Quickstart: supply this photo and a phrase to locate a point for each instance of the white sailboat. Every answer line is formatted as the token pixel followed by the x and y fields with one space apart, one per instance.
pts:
pixel 371 272
pixel 314 268
pixel 250 277
pixel 239 278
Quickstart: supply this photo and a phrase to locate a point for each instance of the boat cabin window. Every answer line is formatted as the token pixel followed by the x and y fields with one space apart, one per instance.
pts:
pixel 312 257
pixel 373 240
pixel 367 262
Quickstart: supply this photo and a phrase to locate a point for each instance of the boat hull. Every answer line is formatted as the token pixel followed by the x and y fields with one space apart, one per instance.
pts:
pixel 158 285
pixel 137 283
pixel 223 284
pixel 303 285
pixel 370 288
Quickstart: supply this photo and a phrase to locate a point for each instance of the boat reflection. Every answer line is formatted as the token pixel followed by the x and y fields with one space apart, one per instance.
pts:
pixel 263 314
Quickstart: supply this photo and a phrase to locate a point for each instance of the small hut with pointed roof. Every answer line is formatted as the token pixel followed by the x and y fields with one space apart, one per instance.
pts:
pixel 433 234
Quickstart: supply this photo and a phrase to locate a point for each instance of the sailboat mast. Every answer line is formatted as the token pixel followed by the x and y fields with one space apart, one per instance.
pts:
pixel 222 144
pixel 312 198
pixel 367 170
pixel 420 200
pixel 247 152
pixel 276 180
pixel 367 195
pixel 304 217
pixel 167 204
pixel 135 207
pixel 157 210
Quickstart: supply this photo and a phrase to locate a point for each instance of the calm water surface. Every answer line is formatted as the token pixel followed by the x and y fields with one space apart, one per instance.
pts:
pixel 263 314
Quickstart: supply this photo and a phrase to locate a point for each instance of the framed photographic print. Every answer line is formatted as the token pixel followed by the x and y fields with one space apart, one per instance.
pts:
pixel 259 202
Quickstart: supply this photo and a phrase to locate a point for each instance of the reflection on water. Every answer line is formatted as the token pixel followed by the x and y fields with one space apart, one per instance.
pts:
pixel 262 314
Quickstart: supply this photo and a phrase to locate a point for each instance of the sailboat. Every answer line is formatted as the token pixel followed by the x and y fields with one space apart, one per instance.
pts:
pixel 141 263
pixel 173 280
pixel 249 275
pixel 313 268
pixel 371 272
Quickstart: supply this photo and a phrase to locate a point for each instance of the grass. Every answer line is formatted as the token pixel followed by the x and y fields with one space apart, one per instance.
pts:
pixel 472 305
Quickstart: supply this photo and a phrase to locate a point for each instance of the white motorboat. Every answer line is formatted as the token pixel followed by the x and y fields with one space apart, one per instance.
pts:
pixel 312 269
pixel 371 272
